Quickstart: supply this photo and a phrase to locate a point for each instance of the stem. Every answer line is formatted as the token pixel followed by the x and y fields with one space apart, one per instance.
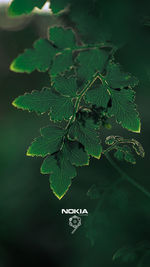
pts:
pixel 78 100
pixel 125 176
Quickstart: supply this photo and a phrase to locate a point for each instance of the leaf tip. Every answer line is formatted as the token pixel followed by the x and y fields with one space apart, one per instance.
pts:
pixel 97 156
pixel 14 103
pixel 12 66
pixel 59 196
pixel 139 128
pixel 29 154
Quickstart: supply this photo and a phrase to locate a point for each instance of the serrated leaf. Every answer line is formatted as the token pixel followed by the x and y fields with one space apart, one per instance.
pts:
pixel 90 62
pixel 60 107
pixel 116 78
pixel 124 109
pixel 98 94
pixel 87 135
pixel 121 101
pixel 39 58
pixel 49 142
pixel 62 38
pixel 18 7
pixel 76 154
pixel 61 170
pixel 38 101
pixel 65 86
pixel 62 62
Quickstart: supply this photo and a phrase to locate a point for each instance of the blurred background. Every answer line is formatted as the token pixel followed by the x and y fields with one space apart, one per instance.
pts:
pixel 32 229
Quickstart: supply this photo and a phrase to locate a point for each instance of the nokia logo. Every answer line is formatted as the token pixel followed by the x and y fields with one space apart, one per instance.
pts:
pixel 75 211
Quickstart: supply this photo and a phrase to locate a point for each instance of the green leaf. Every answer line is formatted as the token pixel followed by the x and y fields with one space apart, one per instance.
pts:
pixel 49 142
pixel 65 86
pixel 129 158
pixel 97 94
pixel 126 254
pixel 58 6
pixel 18 7
pixel 76 154
pixel 116 78
pixel 38 101
pixel 101 93
pixel 62 62
pixel 138 148
pixel 124 152
pixel 86 134
pixel 62 38
pixel 61 171
pixel 90 62
pixel 124 109
pixel 39 58
pixel 60 107
pixel 119 155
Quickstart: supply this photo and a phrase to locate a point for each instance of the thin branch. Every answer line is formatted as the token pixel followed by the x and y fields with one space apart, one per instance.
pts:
pixel 125 176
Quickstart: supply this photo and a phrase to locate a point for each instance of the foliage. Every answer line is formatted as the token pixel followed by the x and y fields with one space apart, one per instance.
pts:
pixel 139 253
pixel 87 88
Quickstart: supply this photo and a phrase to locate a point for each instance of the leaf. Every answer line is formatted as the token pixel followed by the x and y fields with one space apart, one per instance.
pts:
pixel 119 155
pixel 61 168
pixel 61 171
pixel 91 62
pixel 65 86
pixel 97 94
pixel 124 152
pixel 60 107
pixel 120 102
pixel 50 141
pixel 125 254
pixel 38 101
pixel 76 154
pixel 18 7
pixel 129 158
pixel 138 148
pixel 39 58
pixel 124 109
pixel 116 78
pixel 62 62
pixel 58 6
pixel 62 38
pixel 87 136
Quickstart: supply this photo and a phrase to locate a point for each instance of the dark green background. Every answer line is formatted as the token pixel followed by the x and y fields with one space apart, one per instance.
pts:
pixel 32 229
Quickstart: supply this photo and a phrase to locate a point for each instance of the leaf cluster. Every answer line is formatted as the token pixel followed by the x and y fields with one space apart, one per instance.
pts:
pixel 87 87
